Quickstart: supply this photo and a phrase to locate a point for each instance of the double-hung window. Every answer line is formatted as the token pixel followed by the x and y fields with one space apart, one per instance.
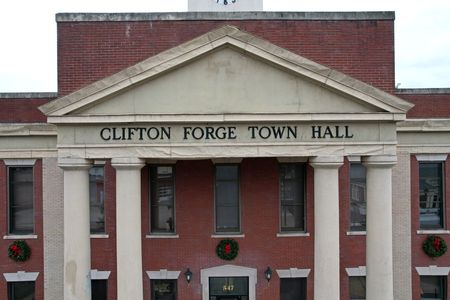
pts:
pixel 433 287
pixel 97 198
pixel 227 198
pixel 164 289
pixel 431 194
pixel 21 200
pixel 357 197
pixel 162 199
pixel 21 290
pixel 292 197
pixel 293 288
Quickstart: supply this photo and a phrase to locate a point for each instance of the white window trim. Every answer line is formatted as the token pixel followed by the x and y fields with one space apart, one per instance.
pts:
pixel 99 236
pixel 162 236
pixel 358 271
pixel 20 237
pixel 439 231
pixel 293 273
pixel 19 162
pixel 163 274
pixel 227 235
pixel 433 271
pixel 229 271
pixel 431 157
pixel 354 159
pixel 21 276
pixel 293 234
pixel 99 275
pixel 356 232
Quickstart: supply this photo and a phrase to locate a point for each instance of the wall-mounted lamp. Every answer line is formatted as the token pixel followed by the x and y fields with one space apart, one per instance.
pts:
pixel 188 275
pixel 268 273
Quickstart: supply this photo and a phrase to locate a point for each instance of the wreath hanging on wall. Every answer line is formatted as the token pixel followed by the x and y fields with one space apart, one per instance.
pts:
pixel 434 246
pixel 19 251
pixel 227 249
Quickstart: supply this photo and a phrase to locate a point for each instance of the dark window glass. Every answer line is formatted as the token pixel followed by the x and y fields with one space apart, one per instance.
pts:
pixel 228 288
pixel 357 287
pixel 433 287
pixel 23 290
pixel 21 206
pixel 162 199
pixel 431 195
pixel 227 198
pixel 357 197
pixel 164 289
pixel 97 198
pixel 99 289
pixel 292 197
pixel 292 288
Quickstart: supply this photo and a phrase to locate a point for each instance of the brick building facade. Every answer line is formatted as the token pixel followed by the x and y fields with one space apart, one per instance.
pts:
pixel 172 132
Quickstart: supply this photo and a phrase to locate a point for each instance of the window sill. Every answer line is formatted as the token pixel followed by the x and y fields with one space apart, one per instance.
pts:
pixel 162 236
pixel 99 236
pixel 356 233
pixel 293 234
pixel 21 237
pixel 435 231
pixel 227 235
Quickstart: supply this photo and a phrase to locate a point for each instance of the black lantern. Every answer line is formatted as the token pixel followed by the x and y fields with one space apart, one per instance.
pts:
pixel 268 273
pixel 188 275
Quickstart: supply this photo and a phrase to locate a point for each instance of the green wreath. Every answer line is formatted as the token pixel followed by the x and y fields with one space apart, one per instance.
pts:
pixel 227 249
pixel 19 251
pixel 434 246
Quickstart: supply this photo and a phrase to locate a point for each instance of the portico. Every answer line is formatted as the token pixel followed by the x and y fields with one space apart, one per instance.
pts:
pixel 227 95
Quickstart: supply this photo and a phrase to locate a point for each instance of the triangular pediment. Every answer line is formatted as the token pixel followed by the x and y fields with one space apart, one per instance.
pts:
pixel 226 71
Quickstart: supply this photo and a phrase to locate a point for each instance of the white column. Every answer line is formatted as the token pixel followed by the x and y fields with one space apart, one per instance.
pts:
pixel 326 226
pixel 128 226
pixel 379 278
pixel 77 243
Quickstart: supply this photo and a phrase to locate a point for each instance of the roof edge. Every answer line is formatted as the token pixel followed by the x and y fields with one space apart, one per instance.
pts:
pixel 195 16
pixel 422 91
pixel 28 95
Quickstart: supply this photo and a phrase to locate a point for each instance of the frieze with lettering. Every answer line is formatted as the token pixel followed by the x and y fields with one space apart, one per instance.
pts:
pixel 239 133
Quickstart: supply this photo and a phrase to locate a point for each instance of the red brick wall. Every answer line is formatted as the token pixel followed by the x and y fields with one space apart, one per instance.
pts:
pixel 89 51
pixel 103 251
pixel 21 110
pixel 419 258
pixel 352 247
pixel 36 262
pixel 195 248
pixel 428 105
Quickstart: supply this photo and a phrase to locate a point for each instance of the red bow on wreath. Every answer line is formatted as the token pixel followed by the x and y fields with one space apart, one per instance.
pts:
pixel 227 249
pixel 437 244
pixel 15 249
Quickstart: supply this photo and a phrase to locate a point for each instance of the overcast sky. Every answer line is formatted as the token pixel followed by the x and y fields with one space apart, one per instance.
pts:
pixel 28 35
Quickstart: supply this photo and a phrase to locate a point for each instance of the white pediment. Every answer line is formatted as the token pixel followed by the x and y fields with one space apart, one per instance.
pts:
pixel 226 72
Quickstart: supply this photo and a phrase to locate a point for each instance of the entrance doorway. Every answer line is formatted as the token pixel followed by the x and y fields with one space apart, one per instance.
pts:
pixel 228 288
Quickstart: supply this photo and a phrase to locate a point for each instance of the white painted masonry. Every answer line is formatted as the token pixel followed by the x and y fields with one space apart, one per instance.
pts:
pixel 326 225
pixel 379 279
pixel 128 224
pixel 77 242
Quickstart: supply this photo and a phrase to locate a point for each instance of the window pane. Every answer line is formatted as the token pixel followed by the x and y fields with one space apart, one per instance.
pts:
pixel 357 287
pixel 99 289
pixel 431 200
pixel 21 208
pixel 164 289
pixel 227 198
pixel 292 197
pixel 357 197
pixel 162 199
pixel 292 288
pixel 23 290
pixel 433 287
pixel 97 198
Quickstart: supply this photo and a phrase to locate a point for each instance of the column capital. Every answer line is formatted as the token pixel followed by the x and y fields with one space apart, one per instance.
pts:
pixel 331 161
pixel 127 163
pixel 381 161
pixel 74 163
